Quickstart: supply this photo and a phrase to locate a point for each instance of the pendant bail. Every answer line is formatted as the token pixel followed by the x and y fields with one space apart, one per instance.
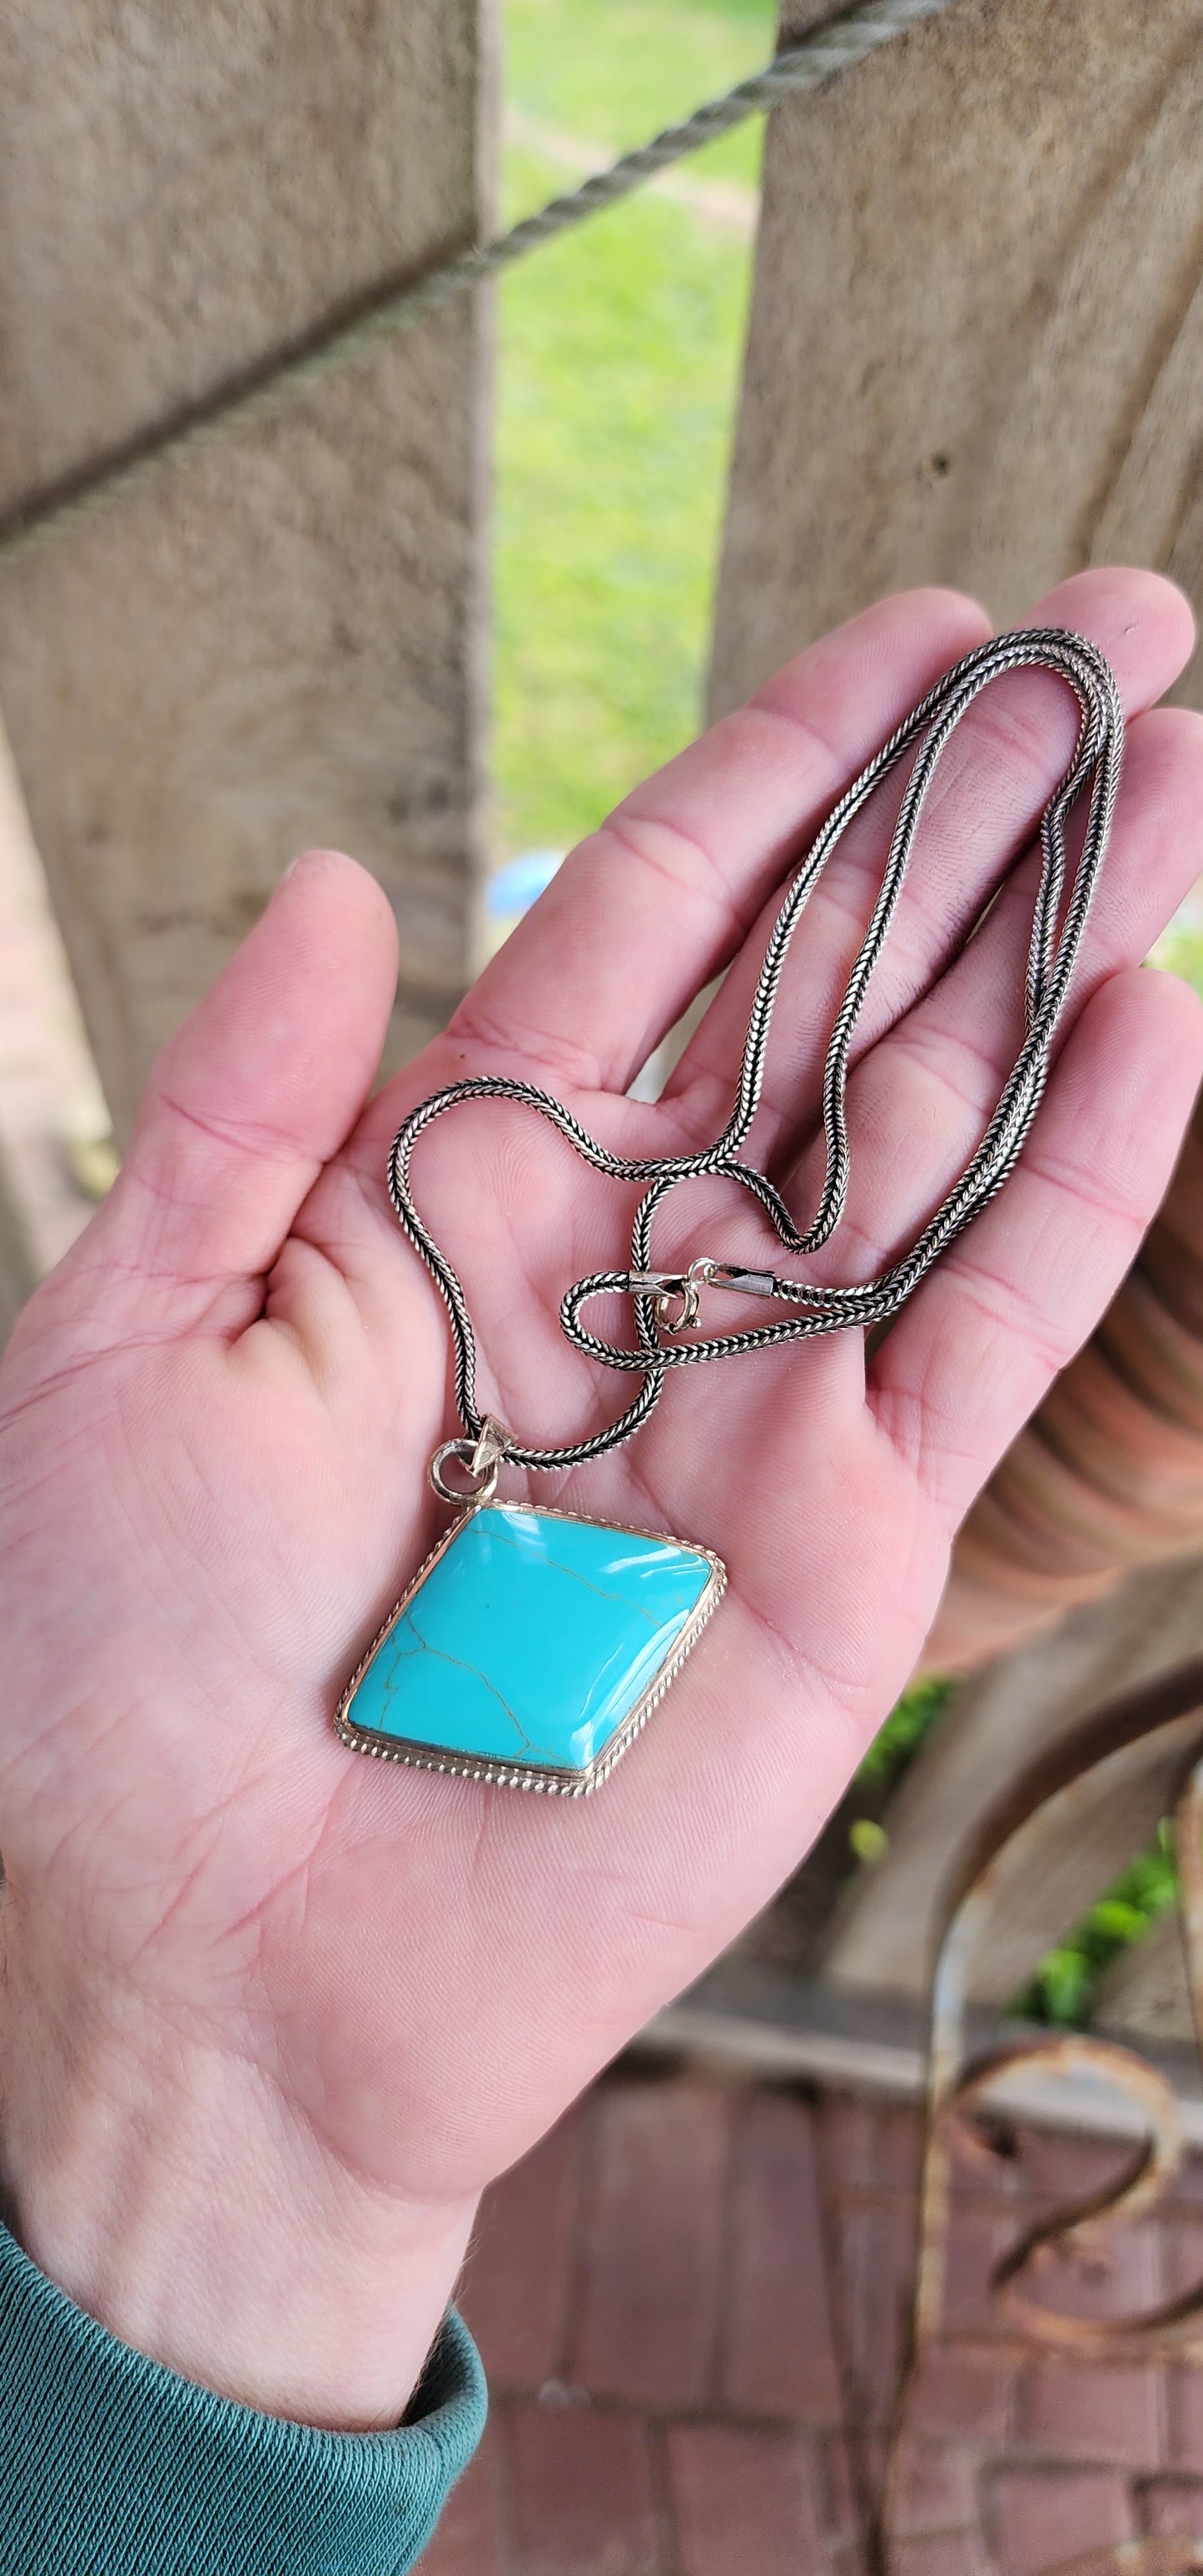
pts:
pixel 491 1447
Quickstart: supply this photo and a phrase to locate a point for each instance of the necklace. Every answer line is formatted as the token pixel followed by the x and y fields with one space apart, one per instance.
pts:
pixel 533 1644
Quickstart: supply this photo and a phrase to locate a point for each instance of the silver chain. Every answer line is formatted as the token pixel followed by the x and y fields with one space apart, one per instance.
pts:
pixel 666 1302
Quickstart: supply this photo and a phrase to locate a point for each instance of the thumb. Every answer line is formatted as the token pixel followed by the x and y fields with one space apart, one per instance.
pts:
pixel 254 1093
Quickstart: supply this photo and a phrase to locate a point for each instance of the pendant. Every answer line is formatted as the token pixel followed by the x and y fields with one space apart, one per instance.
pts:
pixel 530 1649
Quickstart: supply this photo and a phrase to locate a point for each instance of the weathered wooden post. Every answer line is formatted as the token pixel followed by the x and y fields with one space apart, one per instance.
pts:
pixel 16 1260
pixel 281 642
pixel 977 324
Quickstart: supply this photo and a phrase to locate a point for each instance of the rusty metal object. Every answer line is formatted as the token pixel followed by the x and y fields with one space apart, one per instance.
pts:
pixel 1108 1475
pixel 1076 2225
pixel 1159 1727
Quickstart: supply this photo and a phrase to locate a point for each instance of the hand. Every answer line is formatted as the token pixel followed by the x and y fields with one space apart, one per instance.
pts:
pixel 273 2015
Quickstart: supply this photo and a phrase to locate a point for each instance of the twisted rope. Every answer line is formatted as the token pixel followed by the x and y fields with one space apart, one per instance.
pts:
pixel 817 58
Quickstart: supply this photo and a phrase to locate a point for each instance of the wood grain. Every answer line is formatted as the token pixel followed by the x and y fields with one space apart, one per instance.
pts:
pixel 280 643
pixel 1146 1989
pixel 975 332
pixel 882 1937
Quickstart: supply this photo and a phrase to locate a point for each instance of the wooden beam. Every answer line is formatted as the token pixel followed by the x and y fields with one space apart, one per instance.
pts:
pixel 53 1115
pixel 977 323
pixel 1146 1990
pixel 281 642
pixel 17 1273
pixel 757 2022
pixel 18 1260
pixel 882 1937
pixel 50 1101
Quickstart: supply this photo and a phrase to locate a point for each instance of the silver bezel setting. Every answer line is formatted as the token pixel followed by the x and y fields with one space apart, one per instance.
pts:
pixel 539 1777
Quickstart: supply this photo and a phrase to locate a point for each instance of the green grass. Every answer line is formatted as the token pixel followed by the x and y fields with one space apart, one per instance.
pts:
pixel 615 71
pixel 620 350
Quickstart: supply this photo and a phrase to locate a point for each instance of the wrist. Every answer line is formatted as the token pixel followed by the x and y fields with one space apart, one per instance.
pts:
pixel 173 2193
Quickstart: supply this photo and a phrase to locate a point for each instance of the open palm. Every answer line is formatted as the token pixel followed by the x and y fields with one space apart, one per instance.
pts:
pixel 373 1985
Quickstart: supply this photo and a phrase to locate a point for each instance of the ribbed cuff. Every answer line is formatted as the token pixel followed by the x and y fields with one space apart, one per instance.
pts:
pixel 111 2466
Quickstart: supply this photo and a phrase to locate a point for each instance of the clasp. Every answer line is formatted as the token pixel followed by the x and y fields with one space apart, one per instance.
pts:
pixel 671 1287
pixel 667 1286
pixel 744 1283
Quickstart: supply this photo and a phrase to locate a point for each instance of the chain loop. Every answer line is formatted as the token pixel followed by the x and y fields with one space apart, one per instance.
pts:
pixel 1058 924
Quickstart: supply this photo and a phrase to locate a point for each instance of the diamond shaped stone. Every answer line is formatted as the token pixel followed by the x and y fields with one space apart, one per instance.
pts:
pixel 529 1647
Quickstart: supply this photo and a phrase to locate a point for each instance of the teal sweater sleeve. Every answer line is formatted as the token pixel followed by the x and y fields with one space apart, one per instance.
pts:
pixel 110 2466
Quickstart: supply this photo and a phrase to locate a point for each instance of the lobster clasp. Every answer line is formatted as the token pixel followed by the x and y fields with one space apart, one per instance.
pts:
pixel 678 1292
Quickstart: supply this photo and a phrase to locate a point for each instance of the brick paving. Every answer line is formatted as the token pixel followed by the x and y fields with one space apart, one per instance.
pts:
pixel 688 2302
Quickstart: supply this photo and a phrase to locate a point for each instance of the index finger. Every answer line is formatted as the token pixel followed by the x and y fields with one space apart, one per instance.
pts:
pixel 656 902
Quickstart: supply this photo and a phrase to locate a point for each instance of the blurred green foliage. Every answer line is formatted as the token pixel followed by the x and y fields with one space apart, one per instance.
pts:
pixel 903 1732
pixel 1180 948
pixel 862 1819
pixel 1063 1988
pixel 620 352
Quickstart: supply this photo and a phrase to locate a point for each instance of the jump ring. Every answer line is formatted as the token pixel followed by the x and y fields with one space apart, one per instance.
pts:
pixel 463 1450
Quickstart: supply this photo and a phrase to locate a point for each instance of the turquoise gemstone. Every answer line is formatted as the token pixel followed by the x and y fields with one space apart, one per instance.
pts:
pixel 530 1643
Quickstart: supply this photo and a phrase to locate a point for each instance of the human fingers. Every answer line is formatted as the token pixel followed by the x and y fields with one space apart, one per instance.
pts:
pixel 995 776
pixel 919 1102
pixel 252 1096
pixel 934 1082
pixel 969 1360
pixel 653 904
